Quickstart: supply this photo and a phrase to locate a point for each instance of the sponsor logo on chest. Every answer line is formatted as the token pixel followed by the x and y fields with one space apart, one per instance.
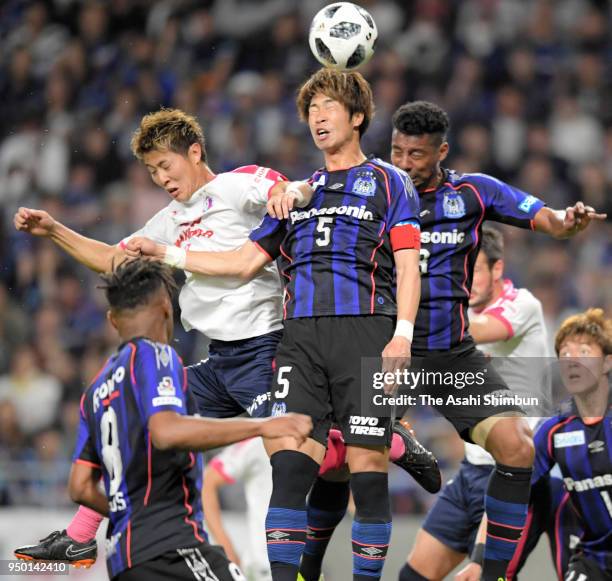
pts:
pixel 568 439
pixel 193 230
pixel 451 237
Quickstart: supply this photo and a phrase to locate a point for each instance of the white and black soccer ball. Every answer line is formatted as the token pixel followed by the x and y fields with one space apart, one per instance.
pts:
pixel 342 36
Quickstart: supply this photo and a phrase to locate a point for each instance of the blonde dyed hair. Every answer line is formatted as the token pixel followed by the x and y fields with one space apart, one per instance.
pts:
pixel 167 130
pixel 592 324
pixel 348 88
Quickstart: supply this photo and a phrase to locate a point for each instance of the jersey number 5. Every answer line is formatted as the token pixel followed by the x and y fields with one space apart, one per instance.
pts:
pixel 283 382
pixel 323 226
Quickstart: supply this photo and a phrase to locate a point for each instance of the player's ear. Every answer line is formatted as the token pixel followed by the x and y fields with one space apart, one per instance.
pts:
pixel 167 307
pixel 357 119
pixel 498 269
pixel 443 151
pixel 194 153
pixel 110 317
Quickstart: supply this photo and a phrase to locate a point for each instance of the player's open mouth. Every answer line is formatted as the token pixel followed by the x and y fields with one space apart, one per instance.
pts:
pixel 173 192
pixel 322 134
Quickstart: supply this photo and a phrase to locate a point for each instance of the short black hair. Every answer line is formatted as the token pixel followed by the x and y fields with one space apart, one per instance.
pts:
pixel 492 244
pixel 421 117
pixel 133 282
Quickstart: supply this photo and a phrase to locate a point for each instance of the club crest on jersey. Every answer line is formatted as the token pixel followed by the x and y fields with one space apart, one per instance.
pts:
pixel 453 206
pixel 279 409
pixel 365 184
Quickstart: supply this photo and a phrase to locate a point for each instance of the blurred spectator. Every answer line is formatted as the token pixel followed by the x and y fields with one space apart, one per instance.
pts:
pixel 527 85
pixel 35 394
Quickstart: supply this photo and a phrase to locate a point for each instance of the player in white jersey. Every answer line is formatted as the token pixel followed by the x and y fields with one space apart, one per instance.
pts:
pixel 505 322
pixel 246 462
pixel 240 314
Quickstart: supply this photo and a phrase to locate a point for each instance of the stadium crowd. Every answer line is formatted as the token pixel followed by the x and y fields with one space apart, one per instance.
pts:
pixel 527 84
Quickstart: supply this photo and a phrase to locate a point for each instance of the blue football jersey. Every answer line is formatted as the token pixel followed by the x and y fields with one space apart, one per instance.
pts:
pixel 583 452
pixel 451 224
pixel 154 495
pixel 336 255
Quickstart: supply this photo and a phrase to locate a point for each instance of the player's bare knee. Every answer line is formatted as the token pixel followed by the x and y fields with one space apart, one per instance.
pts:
pixel 512 444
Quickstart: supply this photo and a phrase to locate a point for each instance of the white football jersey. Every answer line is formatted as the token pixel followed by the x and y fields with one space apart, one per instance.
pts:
pixel 219 217
pixel 247 462
pixel 522 314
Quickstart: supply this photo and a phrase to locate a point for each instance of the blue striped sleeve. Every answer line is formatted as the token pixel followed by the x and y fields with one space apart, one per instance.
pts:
pixel 505 203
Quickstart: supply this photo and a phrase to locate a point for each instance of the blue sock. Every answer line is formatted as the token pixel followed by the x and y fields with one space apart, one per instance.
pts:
pixel 370 545
pixel 286 535
pixel 326 508
pixel 506 504
pixel 372 525
pixel 292 476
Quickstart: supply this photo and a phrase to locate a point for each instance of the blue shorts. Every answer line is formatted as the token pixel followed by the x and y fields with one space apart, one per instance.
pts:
pixel 455 517
pixel 235 378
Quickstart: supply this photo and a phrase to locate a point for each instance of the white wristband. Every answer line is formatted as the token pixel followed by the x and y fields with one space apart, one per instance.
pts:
pixel 176 257
pixel 292 188
pixel 404 329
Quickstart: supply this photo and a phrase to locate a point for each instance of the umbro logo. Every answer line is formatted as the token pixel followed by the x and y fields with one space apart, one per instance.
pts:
pixel 596 446
pixel 278 535
pixel 372 551
pixel 337 186
pixel 72 552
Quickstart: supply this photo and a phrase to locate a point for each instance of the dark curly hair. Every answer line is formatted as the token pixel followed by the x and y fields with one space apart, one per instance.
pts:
pixel 421 117
pixel 132 283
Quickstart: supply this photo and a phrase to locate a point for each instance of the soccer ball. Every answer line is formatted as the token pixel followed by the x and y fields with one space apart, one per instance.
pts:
pixel 342 36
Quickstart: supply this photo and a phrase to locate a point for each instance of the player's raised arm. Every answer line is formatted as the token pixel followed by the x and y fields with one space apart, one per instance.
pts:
pixel 244 262
pixel 92 253
pixel 171 430
pixel 566 223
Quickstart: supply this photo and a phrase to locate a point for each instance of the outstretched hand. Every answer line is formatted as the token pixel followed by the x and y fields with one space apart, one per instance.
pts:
pixel 35 222
pixel 579 216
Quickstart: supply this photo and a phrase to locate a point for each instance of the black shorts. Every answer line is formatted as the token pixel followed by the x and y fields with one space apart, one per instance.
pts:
pixel 318 373
pixel 472 390
pixel 201 562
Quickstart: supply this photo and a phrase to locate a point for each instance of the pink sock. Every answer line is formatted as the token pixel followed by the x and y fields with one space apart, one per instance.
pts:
pixel 84 525
pixel 397 448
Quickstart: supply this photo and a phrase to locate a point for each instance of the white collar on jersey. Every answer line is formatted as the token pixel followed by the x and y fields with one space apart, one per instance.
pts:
pixel 190 210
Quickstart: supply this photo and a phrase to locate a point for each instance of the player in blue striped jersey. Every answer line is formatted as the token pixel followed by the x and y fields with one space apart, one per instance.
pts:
pixel 135 432
pixel 453 210
pixel 337 254
pixel 579 439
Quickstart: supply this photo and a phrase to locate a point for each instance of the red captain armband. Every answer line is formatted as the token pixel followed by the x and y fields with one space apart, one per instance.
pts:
pixel 406 235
